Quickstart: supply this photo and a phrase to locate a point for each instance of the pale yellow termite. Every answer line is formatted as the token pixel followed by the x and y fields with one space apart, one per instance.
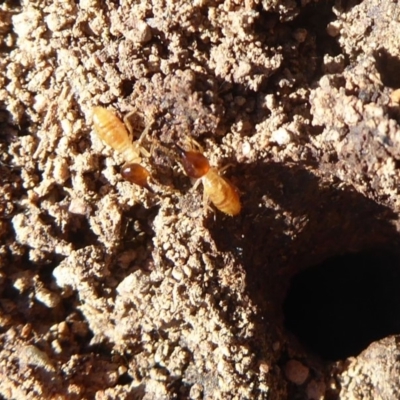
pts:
pixel 216 188
pixel 112 131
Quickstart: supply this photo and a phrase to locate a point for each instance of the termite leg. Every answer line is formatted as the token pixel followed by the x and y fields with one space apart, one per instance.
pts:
pixel 224 168
pixel 133 127
pixel 206 202
pixel 195 185
pixel 132 130
pixel 190 143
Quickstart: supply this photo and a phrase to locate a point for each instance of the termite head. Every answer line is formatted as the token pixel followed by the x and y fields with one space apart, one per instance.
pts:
pixel 194 163
pixel 136 174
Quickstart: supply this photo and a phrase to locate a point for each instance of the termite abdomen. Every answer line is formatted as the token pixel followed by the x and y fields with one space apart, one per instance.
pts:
pixel 112 131
pixel 221 193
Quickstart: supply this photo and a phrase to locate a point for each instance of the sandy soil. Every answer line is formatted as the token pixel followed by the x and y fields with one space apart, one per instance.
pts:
pixel 109 290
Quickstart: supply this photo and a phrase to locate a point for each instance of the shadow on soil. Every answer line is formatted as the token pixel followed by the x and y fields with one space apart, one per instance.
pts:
pixel 292 221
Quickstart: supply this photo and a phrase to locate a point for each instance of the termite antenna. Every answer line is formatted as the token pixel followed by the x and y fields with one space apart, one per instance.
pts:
pixel 181 150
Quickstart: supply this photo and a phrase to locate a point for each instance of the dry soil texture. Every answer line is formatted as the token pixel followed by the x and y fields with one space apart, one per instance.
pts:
pixel 109 290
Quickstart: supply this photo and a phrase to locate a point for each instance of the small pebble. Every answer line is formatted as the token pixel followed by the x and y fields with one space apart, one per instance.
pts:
pixel 281 136
pixel 296 372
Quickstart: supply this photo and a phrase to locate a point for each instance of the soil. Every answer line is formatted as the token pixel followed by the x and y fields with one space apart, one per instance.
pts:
pixel 110 290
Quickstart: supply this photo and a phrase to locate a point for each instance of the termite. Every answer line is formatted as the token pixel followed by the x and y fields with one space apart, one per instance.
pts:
pixel 113 132
pixel 217 189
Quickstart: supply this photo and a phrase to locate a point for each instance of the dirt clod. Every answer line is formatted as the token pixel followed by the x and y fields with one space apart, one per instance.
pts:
pixel 111 290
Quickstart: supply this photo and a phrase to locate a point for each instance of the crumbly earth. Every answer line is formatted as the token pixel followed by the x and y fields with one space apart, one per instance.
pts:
pixel 109 290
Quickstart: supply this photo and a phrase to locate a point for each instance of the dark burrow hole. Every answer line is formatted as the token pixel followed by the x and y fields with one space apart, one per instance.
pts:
pixel 315 17
pixel 340 306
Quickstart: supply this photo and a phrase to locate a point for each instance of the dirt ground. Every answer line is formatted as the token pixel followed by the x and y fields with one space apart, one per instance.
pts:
pixel 112 291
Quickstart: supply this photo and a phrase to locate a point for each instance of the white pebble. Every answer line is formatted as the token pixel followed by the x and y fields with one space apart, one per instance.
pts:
pixel 48 298
pixel 281 136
